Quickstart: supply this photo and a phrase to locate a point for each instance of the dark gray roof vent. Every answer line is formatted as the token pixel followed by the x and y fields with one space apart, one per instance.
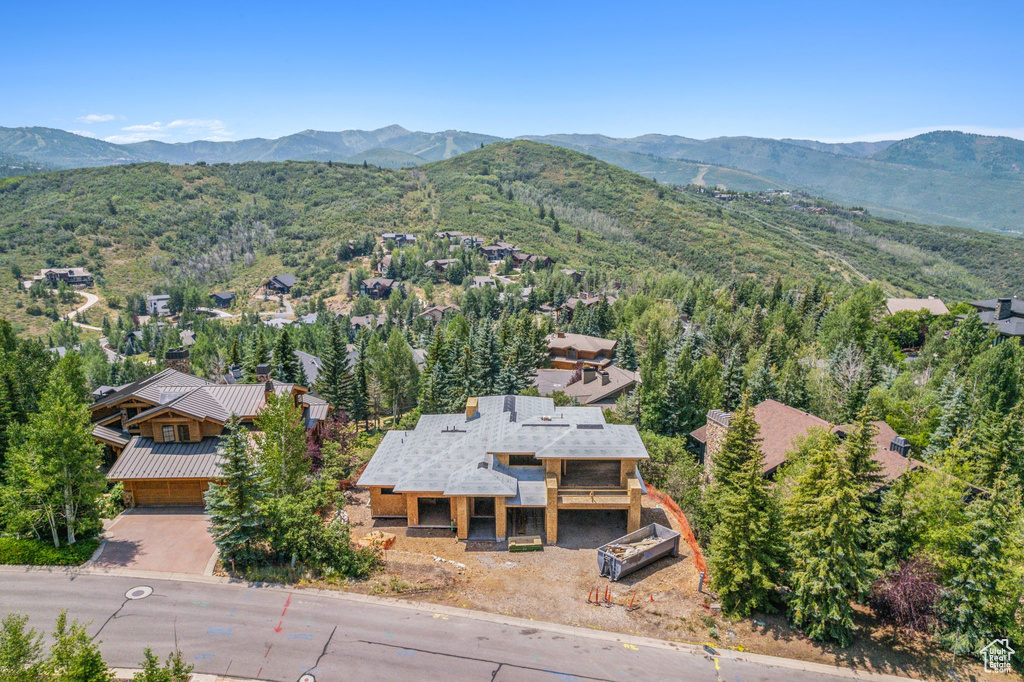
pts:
pixel 590 426
pixel 482 465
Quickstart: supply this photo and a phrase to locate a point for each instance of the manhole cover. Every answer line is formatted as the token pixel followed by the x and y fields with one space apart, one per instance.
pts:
pixel 140 592
pixel 307 678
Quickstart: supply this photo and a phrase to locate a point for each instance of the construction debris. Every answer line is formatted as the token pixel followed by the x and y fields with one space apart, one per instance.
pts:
pixel 624 551
pixel 376 538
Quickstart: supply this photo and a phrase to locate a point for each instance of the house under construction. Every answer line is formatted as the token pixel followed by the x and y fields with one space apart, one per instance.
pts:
pixel 508 464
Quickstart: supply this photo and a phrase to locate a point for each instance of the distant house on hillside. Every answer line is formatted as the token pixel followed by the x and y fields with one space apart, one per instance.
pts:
pixel 449 235
pixel 566 351
pixel 482 282
pixel 358 322
pixel 222 299
pixel 437 312
pixel 156 305
pixel 76 277
pixel 1005 315
pixel 396 240
pixel 782 427
pixel 376 288
pixel 383 266
pixel 281 284
pixel 441 264
pixel 931 304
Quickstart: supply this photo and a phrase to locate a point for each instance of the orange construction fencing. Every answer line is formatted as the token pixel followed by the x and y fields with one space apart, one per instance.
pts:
pixel 669 504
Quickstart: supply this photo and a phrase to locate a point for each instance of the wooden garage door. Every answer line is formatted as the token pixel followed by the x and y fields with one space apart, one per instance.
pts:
pixel 158 493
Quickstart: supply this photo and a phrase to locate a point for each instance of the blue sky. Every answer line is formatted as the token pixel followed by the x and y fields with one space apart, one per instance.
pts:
pixel 182 71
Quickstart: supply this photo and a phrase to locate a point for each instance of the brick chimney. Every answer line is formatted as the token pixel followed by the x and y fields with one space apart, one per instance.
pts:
pixel 178 358
pixel 263 373
pixel 560 335
pixel 1004 307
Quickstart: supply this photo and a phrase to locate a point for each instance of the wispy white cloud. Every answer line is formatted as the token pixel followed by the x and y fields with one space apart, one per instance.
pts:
pixel 1017 133
pixel 83 133
pixel 183 129
pixel 96 118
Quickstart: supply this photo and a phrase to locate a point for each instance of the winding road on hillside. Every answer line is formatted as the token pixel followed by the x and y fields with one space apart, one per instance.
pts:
pixel 90 301
pixel 275 633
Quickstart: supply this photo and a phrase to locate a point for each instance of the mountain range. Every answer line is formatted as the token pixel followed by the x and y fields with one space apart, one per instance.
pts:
pixel 942 177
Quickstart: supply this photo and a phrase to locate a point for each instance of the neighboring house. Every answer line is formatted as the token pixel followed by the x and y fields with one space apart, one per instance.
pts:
pixel 187 338
pixel 449 235
pixel 278 322
pixel 471 241
pixel 384 266
pixel 441 264
pixel 506 462
pixel 931 304
pixel 311 366
pixel 585 300
pixel 437 312
pixel 281 284
pixel 358 322
pixel 781 429
pixel 376 288
pixel 165 430
pixel 222 299
pixel 575 275
pixel 499 251
pixel 483 281
pixel 1005 315
pixel 156 305
pixel 76 277
pixel 567 350
pixel 397 240
pixel 589 386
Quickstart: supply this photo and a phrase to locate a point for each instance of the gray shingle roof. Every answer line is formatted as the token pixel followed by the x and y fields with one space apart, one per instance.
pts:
pixel 453 455
pixel 143 458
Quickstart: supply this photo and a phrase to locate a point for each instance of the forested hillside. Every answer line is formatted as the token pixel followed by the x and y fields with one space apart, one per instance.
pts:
pixel 941 178
pixel 229 225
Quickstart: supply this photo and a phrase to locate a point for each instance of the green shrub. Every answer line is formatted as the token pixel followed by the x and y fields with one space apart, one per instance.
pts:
pixel 38 553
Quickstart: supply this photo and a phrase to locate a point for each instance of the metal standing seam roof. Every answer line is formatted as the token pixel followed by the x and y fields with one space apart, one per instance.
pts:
pixel 216 402
pixel 105 433
pixel 453 455
pixel 144 458
pixel 151 387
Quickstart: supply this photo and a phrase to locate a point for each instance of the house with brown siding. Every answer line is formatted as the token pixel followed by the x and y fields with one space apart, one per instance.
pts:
pixel 506 463
pixel 567 351
pixel 164 431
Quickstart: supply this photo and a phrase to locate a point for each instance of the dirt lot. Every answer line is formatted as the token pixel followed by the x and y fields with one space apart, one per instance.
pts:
pixel 553 585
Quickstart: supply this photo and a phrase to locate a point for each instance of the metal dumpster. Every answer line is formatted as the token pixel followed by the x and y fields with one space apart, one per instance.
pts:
pixel 622 556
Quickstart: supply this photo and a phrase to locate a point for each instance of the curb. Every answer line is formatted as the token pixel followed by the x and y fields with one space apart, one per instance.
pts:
pixel 513 621
pixel 129 673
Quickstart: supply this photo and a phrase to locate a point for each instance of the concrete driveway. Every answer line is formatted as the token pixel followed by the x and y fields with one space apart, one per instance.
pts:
pixel 174 540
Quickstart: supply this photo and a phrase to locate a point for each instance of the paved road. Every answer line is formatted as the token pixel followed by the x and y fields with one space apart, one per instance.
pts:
pixel 274 634
pixel 90 301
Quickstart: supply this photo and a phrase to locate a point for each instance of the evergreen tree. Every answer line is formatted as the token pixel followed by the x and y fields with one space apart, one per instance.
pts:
pixel 746 545
pixel 762 379
pixel 360 403
pixel 984 590
pixel 236 519
pixel 954 419
pixel 286 365
pixel 891 529
pixel 335 383
pixel 999 447
pixel 684 407
pixel 792 385
pixel 625 351
pixel 732 380
pixel 256 354
pixel 826 522
pixel 859 448
pixel 653 371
